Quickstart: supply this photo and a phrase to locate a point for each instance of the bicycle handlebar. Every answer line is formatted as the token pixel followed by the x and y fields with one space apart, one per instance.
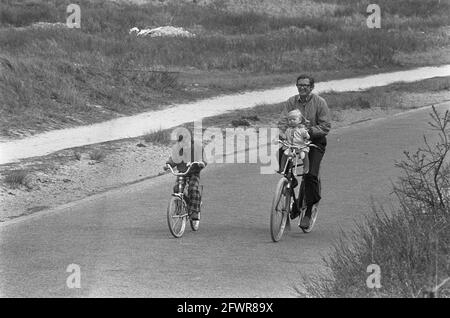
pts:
pixel 190 165
pixel 307 144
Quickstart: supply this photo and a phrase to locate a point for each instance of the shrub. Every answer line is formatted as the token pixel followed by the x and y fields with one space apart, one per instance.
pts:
pixel 97 155
pixel 426 179
pixel 240 122
pixel 336 115
pixel 162 81
pixel 160 136
pixel 251 117
pixel 363 103
pixel 16 178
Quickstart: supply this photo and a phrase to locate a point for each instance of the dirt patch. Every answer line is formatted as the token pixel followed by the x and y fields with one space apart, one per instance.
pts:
pixel 73 174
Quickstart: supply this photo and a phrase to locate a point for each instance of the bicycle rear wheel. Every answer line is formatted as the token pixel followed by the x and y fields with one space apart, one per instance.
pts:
pixel 280 210
pixel 176 217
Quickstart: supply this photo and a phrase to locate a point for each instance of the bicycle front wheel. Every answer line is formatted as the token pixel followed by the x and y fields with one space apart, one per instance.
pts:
pixel 176 217
pixel 280 210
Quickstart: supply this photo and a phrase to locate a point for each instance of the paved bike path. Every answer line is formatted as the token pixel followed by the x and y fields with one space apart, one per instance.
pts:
pixel 122 244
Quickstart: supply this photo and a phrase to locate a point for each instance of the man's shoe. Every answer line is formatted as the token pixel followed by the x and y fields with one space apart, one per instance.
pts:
pixel 308 211
pixel 305 222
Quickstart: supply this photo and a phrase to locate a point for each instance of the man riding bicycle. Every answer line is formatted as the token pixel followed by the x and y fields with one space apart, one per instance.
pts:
pixel 316 117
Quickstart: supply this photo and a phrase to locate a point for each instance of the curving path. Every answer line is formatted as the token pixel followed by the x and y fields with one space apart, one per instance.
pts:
pixel 122 244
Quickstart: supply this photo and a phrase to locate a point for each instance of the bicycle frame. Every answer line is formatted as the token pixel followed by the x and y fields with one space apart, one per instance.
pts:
pixel 285 191
pixel 293 149
pixel 292 171
pixel 182 181
pixel 293 160
pixel 175 215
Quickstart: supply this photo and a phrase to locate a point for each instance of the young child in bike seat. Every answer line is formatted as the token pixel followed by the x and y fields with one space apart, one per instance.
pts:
pixel 296 134
pixel 181 156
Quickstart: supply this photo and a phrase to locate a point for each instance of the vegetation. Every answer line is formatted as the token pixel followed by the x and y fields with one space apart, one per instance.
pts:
pixel 97 155
pixel 411 245
pixel 15 178
pixel 52 77
pixel 403 96
pixel 159 136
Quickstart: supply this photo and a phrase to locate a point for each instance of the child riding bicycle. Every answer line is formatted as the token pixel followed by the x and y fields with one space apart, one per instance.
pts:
pixel 181 160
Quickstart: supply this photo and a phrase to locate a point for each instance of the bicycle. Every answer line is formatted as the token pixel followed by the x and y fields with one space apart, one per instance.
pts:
pixel 177 213
pixel 285 194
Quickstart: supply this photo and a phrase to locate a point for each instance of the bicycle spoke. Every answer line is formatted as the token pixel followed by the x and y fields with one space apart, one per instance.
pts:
pixel 176 217
pixel 280 201
pixel 279 212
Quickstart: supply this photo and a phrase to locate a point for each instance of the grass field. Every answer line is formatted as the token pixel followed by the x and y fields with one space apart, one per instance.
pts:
pixel 57 77
pixel 394 97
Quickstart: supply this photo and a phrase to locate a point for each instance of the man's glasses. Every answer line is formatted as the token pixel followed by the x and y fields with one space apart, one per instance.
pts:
pixel 303 85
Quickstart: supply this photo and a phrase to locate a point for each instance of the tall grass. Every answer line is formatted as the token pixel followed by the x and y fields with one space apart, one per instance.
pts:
pixel 160 136
pixel 57 73
pixel 408 8
pixel 269 52
pixel 16 178
pixel 410 248
pixel 246 41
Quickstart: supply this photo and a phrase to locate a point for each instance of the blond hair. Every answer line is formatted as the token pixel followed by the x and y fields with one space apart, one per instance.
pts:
pixel 295 113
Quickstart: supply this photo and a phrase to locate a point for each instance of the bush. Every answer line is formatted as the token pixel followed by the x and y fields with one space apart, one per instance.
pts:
pixel 97 155
pixel 251 117
pixel 240 122
pixel 162 81
pixel 363 103
pixel 14 179
pixel 160 136
pixel 427 178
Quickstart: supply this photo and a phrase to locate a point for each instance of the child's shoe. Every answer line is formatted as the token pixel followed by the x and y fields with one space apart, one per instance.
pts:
pixel 195 216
